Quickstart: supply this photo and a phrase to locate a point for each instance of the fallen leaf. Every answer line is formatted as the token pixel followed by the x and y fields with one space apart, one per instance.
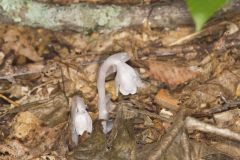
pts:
pixel 171 73
pixel 18 42
pixel 12 149
pixel 23 124
pixel 229 80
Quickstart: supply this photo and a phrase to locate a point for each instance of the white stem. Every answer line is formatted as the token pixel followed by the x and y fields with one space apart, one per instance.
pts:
pixel 103 73
pixel 103 114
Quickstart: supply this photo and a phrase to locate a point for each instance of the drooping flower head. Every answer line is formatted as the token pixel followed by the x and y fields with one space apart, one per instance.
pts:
pixel 81 120
pixel 127 80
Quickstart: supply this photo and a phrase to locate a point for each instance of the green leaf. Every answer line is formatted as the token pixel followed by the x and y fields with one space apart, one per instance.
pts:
pixel 202 10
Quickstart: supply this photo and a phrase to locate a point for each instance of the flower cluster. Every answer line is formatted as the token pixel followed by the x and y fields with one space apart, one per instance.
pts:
pixel 127 81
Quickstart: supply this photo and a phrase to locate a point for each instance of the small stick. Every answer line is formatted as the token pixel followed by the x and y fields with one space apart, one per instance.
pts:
pixel 228 105
pixel 186 145
pixel 147 113
pixel 195 124
pixel 9 100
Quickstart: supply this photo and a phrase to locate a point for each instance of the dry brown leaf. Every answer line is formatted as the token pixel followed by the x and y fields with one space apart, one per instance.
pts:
pixel 171 73
pixel 229 80
pixel 208 94
pixel 228 119
pixel 23 124
pixel 165 100
pixel 47 137
pixel 18 42
pixel 12 150
pixel 77 41
pixel 126 39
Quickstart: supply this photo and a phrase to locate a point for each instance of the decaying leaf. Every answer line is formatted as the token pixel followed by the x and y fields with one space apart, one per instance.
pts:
pixel 229 80
pixel 12 149
pixel 171 73
pixel 23 124
pixel 126 39
pixel 15 40
pixel 227 119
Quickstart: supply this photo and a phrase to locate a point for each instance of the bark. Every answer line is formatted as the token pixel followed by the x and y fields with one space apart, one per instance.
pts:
pixel 120 2
pixel 82 17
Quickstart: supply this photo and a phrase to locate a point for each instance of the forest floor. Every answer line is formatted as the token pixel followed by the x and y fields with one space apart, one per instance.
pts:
pixel 188 107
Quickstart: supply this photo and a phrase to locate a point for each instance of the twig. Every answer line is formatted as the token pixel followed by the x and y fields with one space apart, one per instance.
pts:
pixel 228 105
pixel 130 107
pixel 221 45
pixel 205 32
pixel 147 113
pixel 9 100
pixel 195 124
pixel 229 148
pixel 185 145
pixel 168 138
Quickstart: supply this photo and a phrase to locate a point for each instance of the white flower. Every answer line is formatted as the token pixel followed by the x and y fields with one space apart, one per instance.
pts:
pixel 81 120
pixel 108 67
pixel 127 79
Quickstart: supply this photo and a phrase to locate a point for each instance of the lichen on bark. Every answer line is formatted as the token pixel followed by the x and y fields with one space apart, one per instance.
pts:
pixel 78 16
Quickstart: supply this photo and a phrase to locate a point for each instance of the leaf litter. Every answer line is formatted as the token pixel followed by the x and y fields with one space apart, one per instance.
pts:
pixel 188 107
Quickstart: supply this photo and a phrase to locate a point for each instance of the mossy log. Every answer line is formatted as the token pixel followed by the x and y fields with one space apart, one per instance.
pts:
pixel 88 17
